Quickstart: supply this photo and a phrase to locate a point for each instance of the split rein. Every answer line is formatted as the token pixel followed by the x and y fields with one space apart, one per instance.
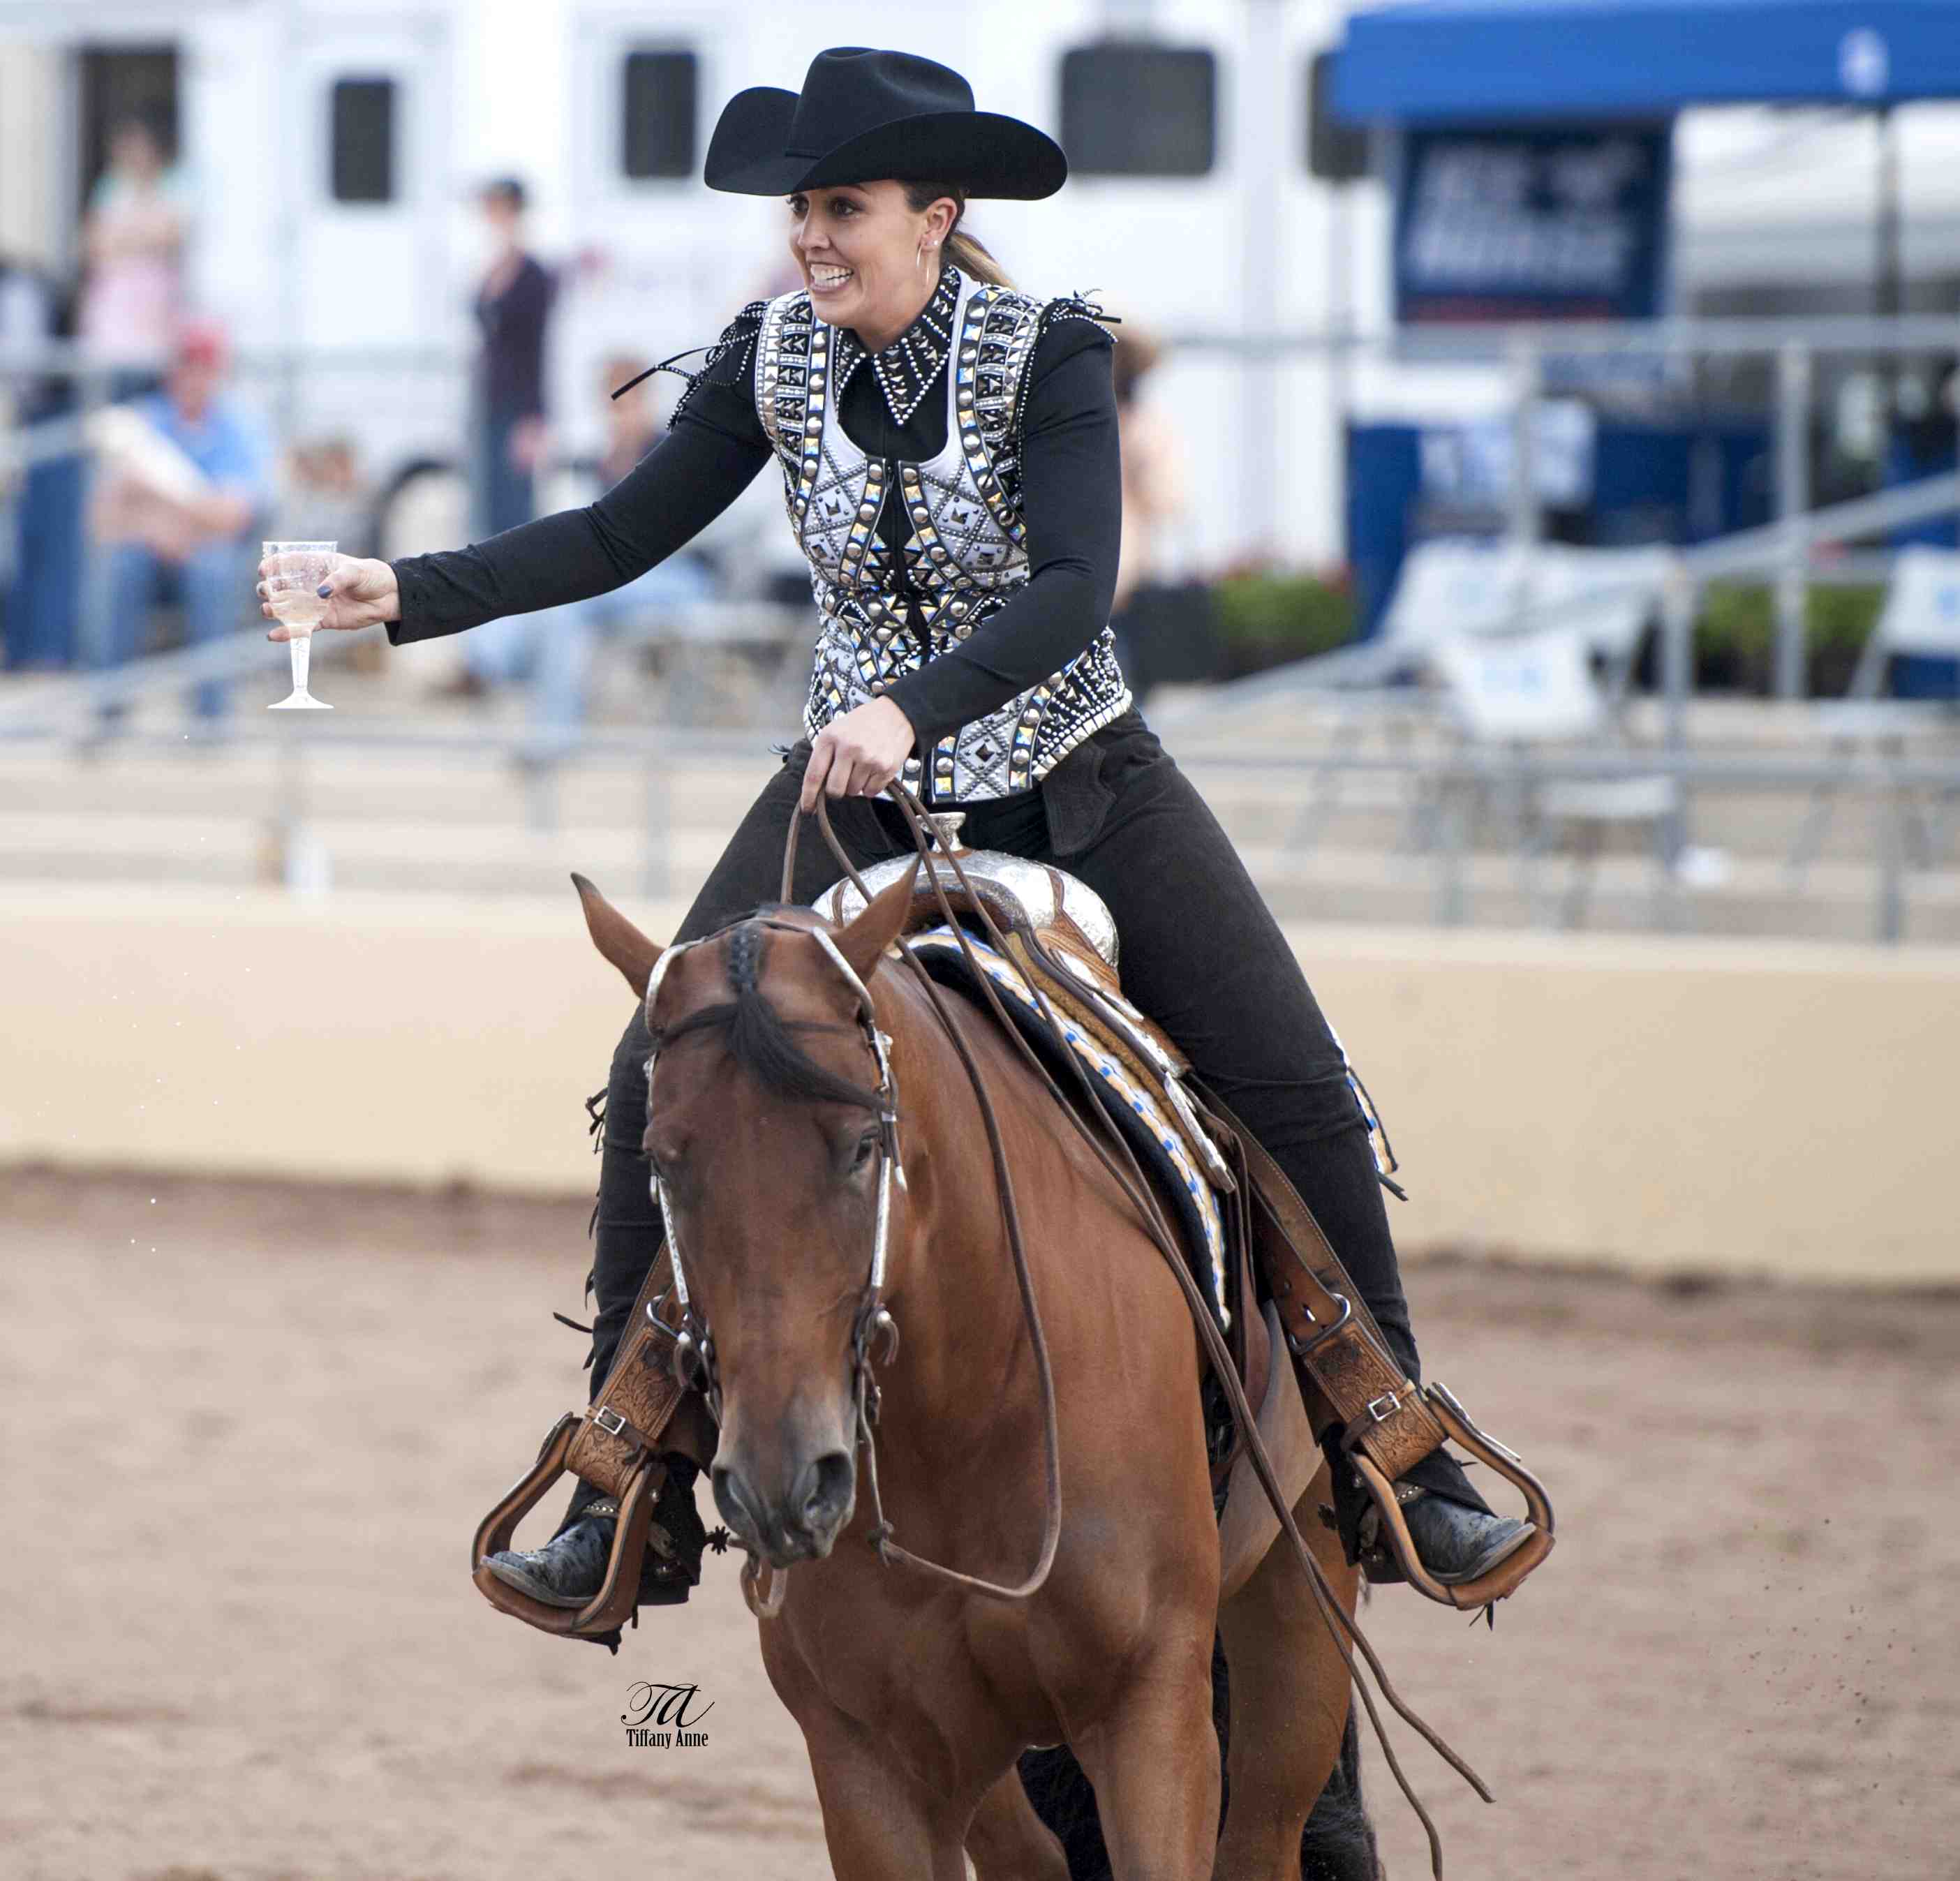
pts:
pixel 874 1318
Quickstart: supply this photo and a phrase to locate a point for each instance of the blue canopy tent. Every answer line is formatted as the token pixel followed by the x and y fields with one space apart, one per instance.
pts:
pixel 1471 63
pixel 1468 61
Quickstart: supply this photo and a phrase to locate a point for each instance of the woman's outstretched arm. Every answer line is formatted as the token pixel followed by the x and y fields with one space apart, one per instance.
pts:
pixel 673 493
pixel 708 458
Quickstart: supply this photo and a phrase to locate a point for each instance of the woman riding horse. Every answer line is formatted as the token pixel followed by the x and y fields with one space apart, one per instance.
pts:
pixel 948 445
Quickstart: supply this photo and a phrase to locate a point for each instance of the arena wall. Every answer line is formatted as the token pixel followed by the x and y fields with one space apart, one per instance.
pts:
pixel 1659 1104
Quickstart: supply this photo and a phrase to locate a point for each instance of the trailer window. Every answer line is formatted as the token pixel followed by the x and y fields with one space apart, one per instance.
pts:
pixel 1336 151
pixel 1135 110
pixel 656 117
pixel 364 140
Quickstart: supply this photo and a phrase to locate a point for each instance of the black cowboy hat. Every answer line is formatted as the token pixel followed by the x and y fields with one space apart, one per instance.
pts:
pixel 862 114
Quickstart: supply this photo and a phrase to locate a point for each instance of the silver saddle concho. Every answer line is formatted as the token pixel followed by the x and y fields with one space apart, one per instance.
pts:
pixel 1077 929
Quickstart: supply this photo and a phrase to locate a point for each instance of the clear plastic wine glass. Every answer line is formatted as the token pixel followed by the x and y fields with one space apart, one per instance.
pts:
pixel 292 590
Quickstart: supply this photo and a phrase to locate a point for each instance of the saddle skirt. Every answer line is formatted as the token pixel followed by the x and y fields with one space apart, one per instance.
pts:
pixel 1175 1146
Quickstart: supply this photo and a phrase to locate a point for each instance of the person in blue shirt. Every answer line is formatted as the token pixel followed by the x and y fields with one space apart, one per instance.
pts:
pixel 197 551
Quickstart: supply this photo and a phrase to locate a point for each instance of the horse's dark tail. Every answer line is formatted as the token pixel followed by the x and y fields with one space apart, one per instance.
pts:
pixel 1337 1843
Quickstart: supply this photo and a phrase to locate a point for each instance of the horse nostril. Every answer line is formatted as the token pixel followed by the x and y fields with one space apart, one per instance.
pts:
pixel 826 1485
pixel 731 1498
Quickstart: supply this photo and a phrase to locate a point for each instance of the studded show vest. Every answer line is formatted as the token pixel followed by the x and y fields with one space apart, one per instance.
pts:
pixel 965 551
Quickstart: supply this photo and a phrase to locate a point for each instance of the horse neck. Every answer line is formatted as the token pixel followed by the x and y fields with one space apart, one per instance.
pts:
pixel 959 1308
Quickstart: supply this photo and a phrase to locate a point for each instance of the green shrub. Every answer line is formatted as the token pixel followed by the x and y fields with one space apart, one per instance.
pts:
pixel 1279 616
pixel 1734 639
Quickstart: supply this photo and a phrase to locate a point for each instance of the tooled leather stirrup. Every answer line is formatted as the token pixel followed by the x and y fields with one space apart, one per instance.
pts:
pixel 613 1445
pixel 1390 1423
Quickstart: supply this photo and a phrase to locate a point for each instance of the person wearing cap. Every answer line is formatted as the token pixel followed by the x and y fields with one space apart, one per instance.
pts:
pixel 948 447
pixel 191 547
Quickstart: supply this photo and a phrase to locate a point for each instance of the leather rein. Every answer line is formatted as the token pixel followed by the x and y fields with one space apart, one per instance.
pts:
pixel 693 1354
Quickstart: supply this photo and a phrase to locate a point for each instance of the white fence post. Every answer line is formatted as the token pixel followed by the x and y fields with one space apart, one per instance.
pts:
pixel 1792 497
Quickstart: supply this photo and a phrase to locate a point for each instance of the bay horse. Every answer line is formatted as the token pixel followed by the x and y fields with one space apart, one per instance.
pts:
pixel 812 1118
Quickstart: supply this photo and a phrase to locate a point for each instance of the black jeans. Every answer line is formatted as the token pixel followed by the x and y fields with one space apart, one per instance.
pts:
pixel 1201 954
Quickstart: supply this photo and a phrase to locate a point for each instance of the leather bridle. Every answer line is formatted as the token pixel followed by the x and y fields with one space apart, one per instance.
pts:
pixel 694 1345
pixel 874 1335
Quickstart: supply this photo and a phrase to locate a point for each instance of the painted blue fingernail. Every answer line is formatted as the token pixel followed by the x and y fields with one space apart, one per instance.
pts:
pixel 325 589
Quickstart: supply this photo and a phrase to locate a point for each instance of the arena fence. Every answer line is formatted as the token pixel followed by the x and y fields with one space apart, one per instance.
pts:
pixel 1669 1105
pixel 1897 797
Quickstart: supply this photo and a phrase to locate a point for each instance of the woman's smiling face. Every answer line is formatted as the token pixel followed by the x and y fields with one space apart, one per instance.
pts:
pixel 857 245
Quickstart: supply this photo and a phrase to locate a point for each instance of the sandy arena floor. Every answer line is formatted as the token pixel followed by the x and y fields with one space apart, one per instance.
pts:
pixel 249 1430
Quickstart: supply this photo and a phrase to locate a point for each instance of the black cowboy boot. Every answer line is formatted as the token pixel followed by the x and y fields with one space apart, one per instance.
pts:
pixel 1457 1543
pixel 570 1568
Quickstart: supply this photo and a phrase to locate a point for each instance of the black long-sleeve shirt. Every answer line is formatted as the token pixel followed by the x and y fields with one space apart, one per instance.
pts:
pixel 1071 495
pixel 511 367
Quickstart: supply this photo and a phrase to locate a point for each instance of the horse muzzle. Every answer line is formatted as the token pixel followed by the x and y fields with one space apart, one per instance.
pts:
pixel 800 1524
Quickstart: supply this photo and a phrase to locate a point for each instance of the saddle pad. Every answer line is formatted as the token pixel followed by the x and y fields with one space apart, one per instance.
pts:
pixel 1137 1110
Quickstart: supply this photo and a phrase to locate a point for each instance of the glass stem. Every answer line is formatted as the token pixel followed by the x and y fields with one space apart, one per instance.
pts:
pixel 300 647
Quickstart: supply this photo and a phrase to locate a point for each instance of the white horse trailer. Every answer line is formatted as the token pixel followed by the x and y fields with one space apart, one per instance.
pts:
pixel 335 152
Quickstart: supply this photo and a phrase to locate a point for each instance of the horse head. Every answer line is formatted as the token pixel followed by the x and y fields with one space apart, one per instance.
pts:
pixel 768 1141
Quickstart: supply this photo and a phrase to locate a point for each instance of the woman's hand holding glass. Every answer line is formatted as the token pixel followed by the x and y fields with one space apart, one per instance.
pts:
pixel 360 592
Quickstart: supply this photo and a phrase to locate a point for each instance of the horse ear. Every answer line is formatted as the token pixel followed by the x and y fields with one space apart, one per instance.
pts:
pixel 863 942
pixel 616 937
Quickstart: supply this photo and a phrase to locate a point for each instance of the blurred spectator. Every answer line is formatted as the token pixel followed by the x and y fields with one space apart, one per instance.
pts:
pixel 1153 483
pixel 1148 618
pixel 323 499
pixel 132 246
pixel 182 493
pixel 553 648
pixel 509 438
pixel 513 305
pixel 41 514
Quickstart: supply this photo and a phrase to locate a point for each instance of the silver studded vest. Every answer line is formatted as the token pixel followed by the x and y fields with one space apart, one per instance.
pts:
pixel 965 551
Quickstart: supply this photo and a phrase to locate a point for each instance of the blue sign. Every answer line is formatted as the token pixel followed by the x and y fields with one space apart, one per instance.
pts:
pixel 1560 223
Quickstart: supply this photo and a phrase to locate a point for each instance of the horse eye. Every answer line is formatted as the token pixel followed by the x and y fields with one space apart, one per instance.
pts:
pixel 867 1146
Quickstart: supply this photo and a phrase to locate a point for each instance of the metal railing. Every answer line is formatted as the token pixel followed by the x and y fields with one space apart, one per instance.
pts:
pixel 1794 346
pixel 1760 550
pixel 1893 783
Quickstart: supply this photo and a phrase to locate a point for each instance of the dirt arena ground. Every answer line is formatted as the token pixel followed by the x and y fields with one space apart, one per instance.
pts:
pixel 250 1428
